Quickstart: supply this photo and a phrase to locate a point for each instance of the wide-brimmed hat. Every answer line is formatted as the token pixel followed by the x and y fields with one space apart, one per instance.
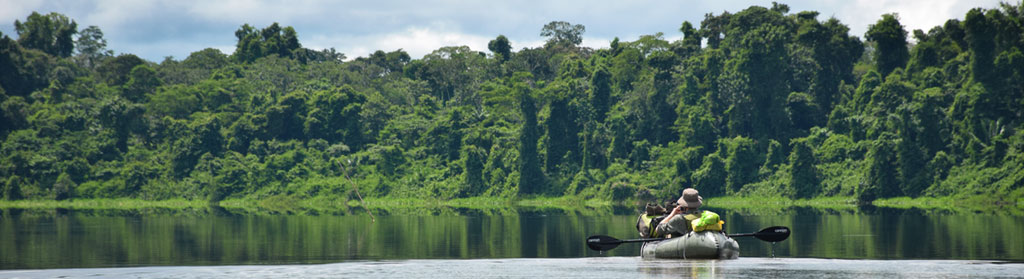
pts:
pixel 690 198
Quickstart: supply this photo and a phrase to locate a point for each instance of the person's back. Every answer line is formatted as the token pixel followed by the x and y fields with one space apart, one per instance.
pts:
pixel 678 222
pixel 686 217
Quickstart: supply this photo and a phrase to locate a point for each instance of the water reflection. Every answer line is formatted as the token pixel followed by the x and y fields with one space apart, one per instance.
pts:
pixel 218 236
pixel 676 268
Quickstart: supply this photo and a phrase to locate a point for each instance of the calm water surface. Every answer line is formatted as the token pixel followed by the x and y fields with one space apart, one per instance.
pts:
pixel 486 243
pixel 591 267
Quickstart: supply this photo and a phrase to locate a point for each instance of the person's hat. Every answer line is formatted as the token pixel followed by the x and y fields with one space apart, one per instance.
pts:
pixel 691 199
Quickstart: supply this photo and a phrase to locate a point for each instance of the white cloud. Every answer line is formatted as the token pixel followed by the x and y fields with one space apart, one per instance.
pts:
pixel 17 10
pixel 158 28
pixel 913 14
pixel 242 11
pixel 420 41
pixel 177 50
pixel 116 14
pixel 417 41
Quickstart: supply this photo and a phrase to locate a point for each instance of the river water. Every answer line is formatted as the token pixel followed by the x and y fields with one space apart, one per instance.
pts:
pixel 492 243
pixel 591 267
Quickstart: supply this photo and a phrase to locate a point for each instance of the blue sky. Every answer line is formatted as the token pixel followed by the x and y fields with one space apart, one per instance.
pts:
pixel 160 28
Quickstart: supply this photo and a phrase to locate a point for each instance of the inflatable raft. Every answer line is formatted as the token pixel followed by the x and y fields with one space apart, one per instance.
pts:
pixel 694 245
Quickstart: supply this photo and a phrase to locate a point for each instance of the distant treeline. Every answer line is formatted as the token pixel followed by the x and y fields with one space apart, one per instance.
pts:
pixel 762 102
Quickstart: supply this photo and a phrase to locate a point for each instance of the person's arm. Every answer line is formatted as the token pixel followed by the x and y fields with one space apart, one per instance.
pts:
pixel 664 228
pixel 675 211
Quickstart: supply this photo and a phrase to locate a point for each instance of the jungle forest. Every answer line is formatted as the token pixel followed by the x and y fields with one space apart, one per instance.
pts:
pixel 763 102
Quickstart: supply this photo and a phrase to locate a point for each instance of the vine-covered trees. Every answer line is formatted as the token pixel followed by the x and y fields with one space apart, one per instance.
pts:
pixel 804 181
pixel 711 177
pixel 883 180
pixel 742 164
pixel 774 103
pixel 755 77
pixel 890 43
pixel 531 177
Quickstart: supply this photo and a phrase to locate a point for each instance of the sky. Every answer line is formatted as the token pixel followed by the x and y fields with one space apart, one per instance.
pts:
pixel 156 29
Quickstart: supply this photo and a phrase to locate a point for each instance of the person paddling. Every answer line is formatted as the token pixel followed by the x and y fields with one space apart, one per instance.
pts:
pixel 686 217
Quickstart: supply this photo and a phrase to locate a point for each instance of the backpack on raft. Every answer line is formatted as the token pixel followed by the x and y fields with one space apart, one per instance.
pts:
pixel 646 225
pixel 648 222
pixel 708 221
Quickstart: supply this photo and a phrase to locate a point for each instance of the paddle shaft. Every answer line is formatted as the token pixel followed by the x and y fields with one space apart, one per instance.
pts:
pixel 656 239
pixel 770 234
pixel 741 234
pixel 639 240
pixel 603 242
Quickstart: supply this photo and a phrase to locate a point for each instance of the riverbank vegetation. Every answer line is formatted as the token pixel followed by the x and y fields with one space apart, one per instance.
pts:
pixel 763 103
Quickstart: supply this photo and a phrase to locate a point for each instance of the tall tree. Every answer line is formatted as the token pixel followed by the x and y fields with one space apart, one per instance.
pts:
pixel 742 164
pixel 51 33
pixel 690 43
pixel 834 52
pixel 561 33
pixel 452 73
pixel 23 71
pixel 890 43
pixel 272 40
pixel 595 144
pixel 661 105
pixel 883 171
pixel 562 135
pixel 981 38
pixel 92 47
pixel 713 28
pixel 804 180
pixel 600 93
pixel 910 155
pixel 501 48
pixel 755 78
pixel 473 160
pixel 531 178
pixel 711 177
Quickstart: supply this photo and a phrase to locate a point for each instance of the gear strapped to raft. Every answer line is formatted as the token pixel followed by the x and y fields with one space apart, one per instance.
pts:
pixel 706 221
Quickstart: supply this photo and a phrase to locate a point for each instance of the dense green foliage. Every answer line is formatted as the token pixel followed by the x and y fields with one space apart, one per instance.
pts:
pixel 761 102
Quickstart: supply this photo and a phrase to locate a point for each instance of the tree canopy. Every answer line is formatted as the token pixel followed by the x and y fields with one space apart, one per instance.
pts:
pixel 758 102
pixel 561 33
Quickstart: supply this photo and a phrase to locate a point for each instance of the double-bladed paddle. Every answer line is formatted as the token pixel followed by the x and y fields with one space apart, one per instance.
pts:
pixel 604 242
pixel 770 234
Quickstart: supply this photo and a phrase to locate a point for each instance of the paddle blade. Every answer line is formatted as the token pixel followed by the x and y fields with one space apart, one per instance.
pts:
pixel 602 242
pixel 773 234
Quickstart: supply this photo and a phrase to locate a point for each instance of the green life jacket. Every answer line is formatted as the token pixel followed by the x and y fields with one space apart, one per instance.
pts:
pixel 647 225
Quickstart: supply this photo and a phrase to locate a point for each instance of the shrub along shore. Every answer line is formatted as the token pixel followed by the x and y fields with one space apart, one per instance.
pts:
pixel 290 205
